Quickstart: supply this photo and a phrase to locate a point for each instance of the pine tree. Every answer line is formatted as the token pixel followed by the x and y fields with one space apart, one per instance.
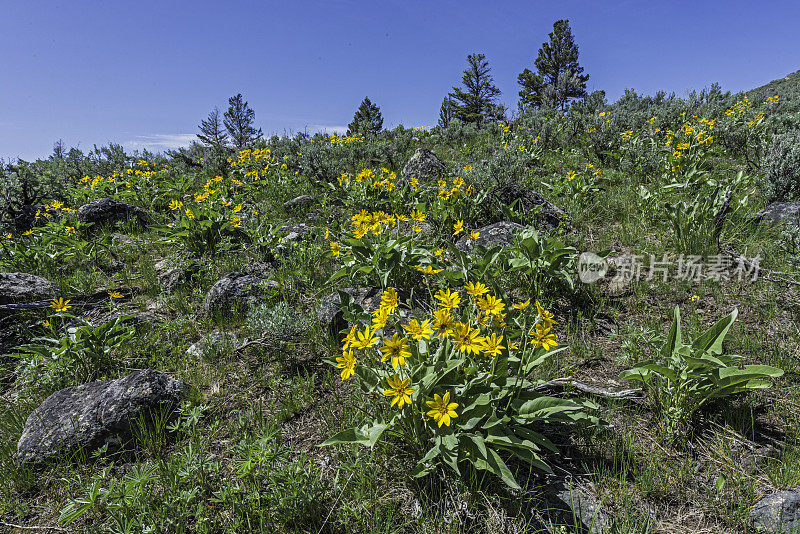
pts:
pixel 559 76
pixel 367 119
pixel 212 130
pixel 477 101
pixel 239 122
pixel 446 112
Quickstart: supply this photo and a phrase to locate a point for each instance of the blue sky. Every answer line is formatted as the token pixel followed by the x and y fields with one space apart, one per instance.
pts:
pixel 145 73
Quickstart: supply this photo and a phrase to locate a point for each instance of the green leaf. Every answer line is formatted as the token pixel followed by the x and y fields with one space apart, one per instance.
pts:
pixel 711 340
pixel 674 336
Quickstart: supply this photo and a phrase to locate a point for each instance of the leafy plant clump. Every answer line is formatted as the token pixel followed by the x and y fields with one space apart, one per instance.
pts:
pixel 689 375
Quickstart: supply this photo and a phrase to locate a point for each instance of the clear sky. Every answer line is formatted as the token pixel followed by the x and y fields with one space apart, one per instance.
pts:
pixel 145 73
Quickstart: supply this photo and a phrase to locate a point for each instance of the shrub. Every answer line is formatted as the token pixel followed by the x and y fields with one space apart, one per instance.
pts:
pixel 782 168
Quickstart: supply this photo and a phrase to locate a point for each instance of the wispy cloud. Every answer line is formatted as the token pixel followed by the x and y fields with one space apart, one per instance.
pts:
pixel 158 142
pixel 324 128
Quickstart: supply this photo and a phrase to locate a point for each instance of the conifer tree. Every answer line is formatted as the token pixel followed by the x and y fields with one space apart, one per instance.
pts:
pixel 475 103
pixel 239 120
pixel 367 119
pixel 446 112
pixel 558 75
pixel 212 130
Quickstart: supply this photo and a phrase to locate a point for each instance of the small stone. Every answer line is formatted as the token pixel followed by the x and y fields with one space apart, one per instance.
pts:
pixel 107 212
pixel 303 201
pixel 238 291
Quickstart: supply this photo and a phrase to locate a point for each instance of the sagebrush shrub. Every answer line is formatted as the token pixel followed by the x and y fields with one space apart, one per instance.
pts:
pixel 782 168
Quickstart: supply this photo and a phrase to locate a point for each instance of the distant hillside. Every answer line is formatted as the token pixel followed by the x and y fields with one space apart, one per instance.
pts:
pixel 787 88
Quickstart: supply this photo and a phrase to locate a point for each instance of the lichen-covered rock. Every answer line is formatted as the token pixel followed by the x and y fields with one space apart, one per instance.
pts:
pixel 568 501
pixel 499 233
pixel 780 213
pixel 294 232
pixel 106 212
pixel 213 341
pixel 92 415
pixel 171 277
pixel 298 203
pixel 778 513
pixel 16 288
pixel 423 165
pixel 330 314
pixel 238 291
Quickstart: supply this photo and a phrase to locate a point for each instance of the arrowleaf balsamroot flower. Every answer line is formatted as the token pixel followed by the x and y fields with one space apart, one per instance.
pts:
pixel 547 317
pixel 468 339
pixel 521 305
pixel 448 299
pixel 441 409
pixel 417 330
pixel 444 323
pixel 543 337
pixel 389 299
pixel 458 227
pixel 335 249
pixel 364 339
pixel 477 289
pixel 60 305
pixel 399 391
pixel 396 349
pixel 115 294
pixel 347 363
pixel 492 345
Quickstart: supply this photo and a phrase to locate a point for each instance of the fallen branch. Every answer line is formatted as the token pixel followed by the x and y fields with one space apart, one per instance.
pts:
pixel 20 527
pixel 567 383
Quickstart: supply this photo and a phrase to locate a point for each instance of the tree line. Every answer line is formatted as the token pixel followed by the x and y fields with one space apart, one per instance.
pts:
pixel 558 78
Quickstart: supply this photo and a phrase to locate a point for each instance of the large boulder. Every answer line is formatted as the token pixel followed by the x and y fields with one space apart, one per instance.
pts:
pixel 107 212
pixel 780 213
pixel 16 288
pixel 240 291
pixel 500 233
pixel 548 216
pixel 424 165
pixel 330 313
pixel 778 513
pixel 92 415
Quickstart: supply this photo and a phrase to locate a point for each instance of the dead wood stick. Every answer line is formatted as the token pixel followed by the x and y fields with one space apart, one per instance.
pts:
pixel 567 383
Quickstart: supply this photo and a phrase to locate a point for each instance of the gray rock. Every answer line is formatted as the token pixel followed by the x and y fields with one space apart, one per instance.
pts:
pixel 330 315
pixel 211 342
pixel 298 203
pixel 780 213
pixel 499 233
pixel 548 216
pixel 778 513
pixel 171 278
pixel 294 232
pixel 92 415
pixel 106 212
pixel 25 217
pixel 17 288
pixel 238 291
pixel 424 165
pixel 568 502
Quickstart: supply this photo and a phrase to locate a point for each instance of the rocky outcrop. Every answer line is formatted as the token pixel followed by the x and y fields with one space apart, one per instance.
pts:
pixel 107 212
pixel 95 414
pixel 424 165
pixel 16 288
pixel 778 513
pixel 330 315
pixel 239 291
pixel 780 213
pixel 501 233
pixel 547 216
